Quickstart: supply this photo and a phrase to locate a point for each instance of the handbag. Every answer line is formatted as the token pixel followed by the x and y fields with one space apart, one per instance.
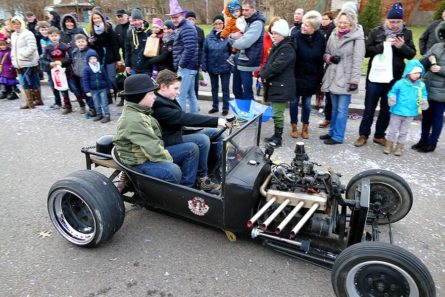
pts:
pixel 2 62
pixel 152 47
pixel 59 78
pixel 381 67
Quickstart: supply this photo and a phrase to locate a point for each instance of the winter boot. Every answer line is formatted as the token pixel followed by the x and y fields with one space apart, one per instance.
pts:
pixel 419 145
pixel 305 132
pixel 388 147
pixel 92 112
pixel 3 93
pixel 82 110
pixel 11 94
pixel 37 97
pixel 276 137
pixel 242 56
pixel 294 132
pixel 231 60
pixel 29 100
pixel 399 149
pixel 428 148
pixel 105 119
pixel 121 103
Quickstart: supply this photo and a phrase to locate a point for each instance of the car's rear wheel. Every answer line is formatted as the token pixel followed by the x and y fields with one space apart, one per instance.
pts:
pixel 390 196
pixel 85 208
pixel 380 269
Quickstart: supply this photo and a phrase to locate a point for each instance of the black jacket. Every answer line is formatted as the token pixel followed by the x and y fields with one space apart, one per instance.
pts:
pixel 201 38
pixel 134 50
pixel 374 46
pixel 278 73
pixel 173 119
pixel 121 33
pixel 165 58
pixel 428 38
pixel 107 47
pixel 309 66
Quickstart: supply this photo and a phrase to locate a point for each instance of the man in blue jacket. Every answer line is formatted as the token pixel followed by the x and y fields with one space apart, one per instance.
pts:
pixel 252 42
pixel 185 56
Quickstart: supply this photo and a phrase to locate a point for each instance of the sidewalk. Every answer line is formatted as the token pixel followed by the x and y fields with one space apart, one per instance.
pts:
pixel 357 103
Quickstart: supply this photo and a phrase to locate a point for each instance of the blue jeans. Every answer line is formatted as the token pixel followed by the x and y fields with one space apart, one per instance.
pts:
pixel 133 72
pixel 101 102
pixel 242 84
pixel 305 109
pixel 225 81
pixel 29 79
pixel 187 89
pixel 340 107
pixel 375 92
pixel 432 122
pixel 182 171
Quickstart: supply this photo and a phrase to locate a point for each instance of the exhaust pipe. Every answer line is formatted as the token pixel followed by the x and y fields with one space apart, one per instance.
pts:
pixel 303 220
pixel 289 217
pixel 274 214
pixel 260 212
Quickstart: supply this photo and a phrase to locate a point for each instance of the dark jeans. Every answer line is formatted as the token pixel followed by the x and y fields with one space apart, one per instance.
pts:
pixel 375 92
pixel 432 122
pixel 225 81
pixel 242 84
pixel 182 171
pixel 76 87
pixel 305 109
pixel 327 106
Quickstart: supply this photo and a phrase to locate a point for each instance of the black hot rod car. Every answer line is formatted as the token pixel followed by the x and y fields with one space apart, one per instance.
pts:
pixel 295 209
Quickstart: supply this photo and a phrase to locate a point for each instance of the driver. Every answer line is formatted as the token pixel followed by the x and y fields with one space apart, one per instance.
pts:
pixel 138 139
pixel 172 118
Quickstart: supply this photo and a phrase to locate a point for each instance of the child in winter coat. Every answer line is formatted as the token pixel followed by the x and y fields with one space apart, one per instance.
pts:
pixel 234 23
pixel 406 97
pixel 79 56
pixel 95 83
pixel 7 72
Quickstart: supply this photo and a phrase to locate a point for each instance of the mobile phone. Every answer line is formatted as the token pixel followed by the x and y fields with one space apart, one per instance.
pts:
pixel 399 35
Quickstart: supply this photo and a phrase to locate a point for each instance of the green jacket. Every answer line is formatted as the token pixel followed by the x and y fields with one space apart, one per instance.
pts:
pixel 139 137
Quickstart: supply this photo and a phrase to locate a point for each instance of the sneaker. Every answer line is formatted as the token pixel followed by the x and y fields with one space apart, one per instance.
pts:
pixel 381 141
pixel 213 110
pixel 66 110
pixel 231 60
pixel 207 185
pixel 105 119
pixel 98 118
pixel 361 141
pixel 225 112
pixel 331 141
pixel 55 106
pixel 325 137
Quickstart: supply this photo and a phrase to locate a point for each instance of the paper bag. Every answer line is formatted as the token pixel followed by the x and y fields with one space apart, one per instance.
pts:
pixel 152 47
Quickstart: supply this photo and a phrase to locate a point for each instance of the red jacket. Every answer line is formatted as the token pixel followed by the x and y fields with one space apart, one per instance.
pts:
pixel 267 45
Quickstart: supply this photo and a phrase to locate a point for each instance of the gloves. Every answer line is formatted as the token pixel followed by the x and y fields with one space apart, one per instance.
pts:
pixel 353 87
pixel 335 59
pixel 392 100
pixel 424 104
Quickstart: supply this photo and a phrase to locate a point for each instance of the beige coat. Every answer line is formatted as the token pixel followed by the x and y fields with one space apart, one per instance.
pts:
pixel 24 49
pixel 351 49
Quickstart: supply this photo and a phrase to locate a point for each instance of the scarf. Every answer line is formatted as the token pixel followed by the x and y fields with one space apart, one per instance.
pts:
pixel 391 33
pixel 342 33
pixel 95 67
pixel 99 29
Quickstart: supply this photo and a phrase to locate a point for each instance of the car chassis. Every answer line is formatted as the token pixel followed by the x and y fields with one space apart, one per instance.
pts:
pixel 294 209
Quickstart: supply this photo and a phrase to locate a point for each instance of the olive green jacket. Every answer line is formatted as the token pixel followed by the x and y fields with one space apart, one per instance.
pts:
pixel 139 137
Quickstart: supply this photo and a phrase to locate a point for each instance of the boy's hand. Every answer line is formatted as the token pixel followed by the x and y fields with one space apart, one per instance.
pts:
pixel 424 105
pixel 435 68
pixel 128 70
pixel 222 122
pixel 392 100
pixel 111 91
pixel 88 94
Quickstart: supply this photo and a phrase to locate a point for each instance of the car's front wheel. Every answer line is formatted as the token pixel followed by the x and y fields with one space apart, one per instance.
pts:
pixel 85 208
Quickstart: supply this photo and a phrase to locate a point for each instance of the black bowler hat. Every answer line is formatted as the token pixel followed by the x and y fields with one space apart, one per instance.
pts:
pixel 138 84
pixel 120 12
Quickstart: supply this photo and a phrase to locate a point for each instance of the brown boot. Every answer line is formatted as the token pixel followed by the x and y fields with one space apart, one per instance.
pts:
pixel 37 97
pixel 29 100
pixel 399 149
pixel 388 147
pixel 305 132
pixel 361 141
pixel 381 141
pixel 294 132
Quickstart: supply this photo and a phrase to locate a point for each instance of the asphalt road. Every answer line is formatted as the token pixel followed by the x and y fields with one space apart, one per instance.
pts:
pixel 154 254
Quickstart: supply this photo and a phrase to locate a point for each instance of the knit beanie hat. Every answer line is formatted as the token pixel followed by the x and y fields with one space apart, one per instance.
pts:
pixel 136 14
pixel 396 12
pixel 233 5
pixel 169 24
pixel 281 27
pixel 157 23
pixel 190 14
pixel 218 17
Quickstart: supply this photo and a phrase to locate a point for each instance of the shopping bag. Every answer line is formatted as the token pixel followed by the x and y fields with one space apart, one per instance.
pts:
pixel 59 78
pixel 152 47
pixel 381 67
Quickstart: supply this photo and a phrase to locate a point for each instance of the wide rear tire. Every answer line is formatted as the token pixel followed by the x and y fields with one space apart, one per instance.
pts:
pixel 85 208
pixel 380 269
pixel 390 194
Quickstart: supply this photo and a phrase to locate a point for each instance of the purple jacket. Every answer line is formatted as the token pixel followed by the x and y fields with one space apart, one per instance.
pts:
pixel 8 70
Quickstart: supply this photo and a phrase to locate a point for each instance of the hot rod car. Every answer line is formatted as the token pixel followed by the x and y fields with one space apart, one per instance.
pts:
pixel 294 208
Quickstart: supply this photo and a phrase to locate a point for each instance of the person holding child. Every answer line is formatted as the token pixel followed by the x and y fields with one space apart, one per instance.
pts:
pixel 406 98
pixel 95 83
